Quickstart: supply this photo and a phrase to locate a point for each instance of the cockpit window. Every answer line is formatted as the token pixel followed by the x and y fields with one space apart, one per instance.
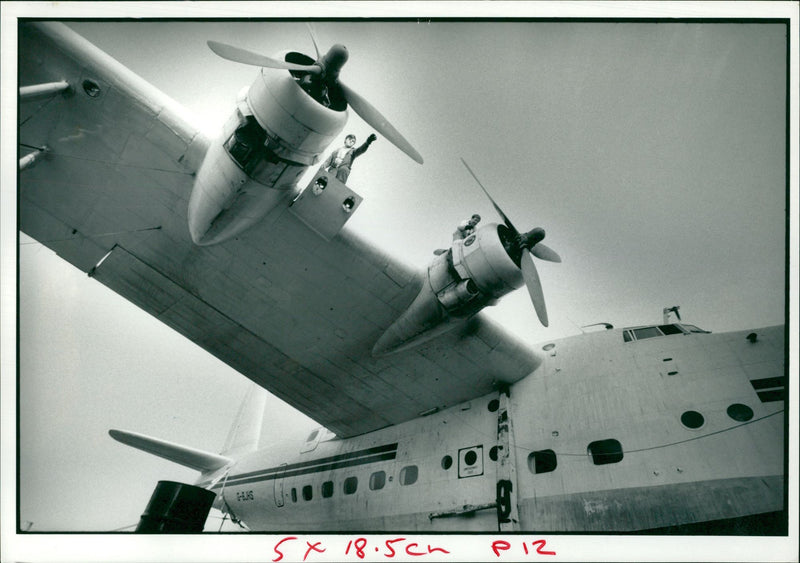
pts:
pixel 645 332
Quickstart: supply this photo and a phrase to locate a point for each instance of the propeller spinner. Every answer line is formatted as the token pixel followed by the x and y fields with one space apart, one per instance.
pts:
pixel 326 69
pixel 521 248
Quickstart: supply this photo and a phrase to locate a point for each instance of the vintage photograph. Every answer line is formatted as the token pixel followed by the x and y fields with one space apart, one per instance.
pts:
pixel 394 280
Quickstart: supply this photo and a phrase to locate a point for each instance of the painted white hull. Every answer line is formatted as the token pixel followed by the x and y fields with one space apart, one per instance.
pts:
pixel 594 389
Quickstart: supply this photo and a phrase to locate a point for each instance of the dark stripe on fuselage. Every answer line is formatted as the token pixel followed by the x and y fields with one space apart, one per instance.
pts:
pixel 769 396
pixel 360 457
pixel 768 382
pixel 321 460
pixel 315 469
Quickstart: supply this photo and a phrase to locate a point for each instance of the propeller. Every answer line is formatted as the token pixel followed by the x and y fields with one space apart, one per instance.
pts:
pixel 521 247
pixel 325 70
pixel 313 35
pixel 243 56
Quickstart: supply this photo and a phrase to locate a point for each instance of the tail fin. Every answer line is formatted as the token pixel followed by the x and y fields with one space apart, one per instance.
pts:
pixel 245 433
pixel 184 455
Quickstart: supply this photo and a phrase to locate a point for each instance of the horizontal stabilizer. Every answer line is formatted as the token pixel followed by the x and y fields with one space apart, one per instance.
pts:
pixel 189 457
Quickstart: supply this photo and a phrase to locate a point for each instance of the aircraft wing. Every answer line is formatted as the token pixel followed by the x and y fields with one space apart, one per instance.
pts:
pixel 293 312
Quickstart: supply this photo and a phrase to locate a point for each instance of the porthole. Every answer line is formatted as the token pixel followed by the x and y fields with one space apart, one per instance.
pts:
pixel 327 489
pixel 692 419
pixel 350 485
pixel 91 88
pixel 408 475
pixel 307 492
pixel 319 185
pixel 542 461
pixel 447 462
pixel 605 451
pixel 740 412
pixel 377 480
pixel 294 494
pixel 470 462
pixel 494 404
pixel 493 453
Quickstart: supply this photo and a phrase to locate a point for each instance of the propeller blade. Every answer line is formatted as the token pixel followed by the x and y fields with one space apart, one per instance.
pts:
pixel 534 285
pixel 543 252
pixel 243 56
pixel 313 39
pixel 506 220
pixel 376 120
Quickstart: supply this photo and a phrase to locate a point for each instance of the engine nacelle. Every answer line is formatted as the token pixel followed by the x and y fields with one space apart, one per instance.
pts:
pixel 474 273
pixel 275 134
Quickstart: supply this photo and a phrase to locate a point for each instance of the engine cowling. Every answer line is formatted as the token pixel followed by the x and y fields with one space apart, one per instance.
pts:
pixel 276 132
pixel 473 273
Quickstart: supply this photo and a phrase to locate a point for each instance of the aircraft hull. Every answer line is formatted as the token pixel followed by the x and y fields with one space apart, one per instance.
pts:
pixel 653 507
pixel 590 389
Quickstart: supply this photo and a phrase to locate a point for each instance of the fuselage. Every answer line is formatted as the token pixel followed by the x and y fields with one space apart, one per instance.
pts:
pixel 620 430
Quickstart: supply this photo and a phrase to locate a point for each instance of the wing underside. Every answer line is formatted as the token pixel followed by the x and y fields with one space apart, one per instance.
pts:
pixel 293 312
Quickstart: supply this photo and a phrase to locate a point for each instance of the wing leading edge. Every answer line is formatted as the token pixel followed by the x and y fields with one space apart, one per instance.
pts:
pixel 295 313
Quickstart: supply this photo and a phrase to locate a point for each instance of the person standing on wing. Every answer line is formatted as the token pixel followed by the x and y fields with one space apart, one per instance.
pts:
pixel 342 159
pixel 466 228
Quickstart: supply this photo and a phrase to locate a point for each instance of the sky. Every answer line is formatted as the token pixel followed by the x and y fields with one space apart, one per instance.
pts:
pixel 652 154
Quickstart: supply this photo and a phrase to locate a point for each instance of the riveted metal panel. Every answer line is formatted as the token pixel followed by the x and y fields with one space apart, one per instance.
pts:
pixel 294 312
pixel 323 207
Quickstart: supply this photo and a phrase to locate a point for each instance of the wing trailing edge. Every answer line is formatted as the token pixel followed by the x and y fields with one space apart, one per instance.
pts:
pixel 183 455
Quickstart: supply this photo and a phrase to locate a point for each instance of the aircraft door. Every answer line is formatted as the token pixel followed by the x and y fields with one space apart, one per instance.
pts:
pixel 506 499
pixel 279 486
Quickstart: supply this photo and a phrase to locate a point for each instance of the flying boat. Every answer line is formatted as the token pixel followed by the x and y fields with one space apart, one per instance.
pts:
pixel 432 416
